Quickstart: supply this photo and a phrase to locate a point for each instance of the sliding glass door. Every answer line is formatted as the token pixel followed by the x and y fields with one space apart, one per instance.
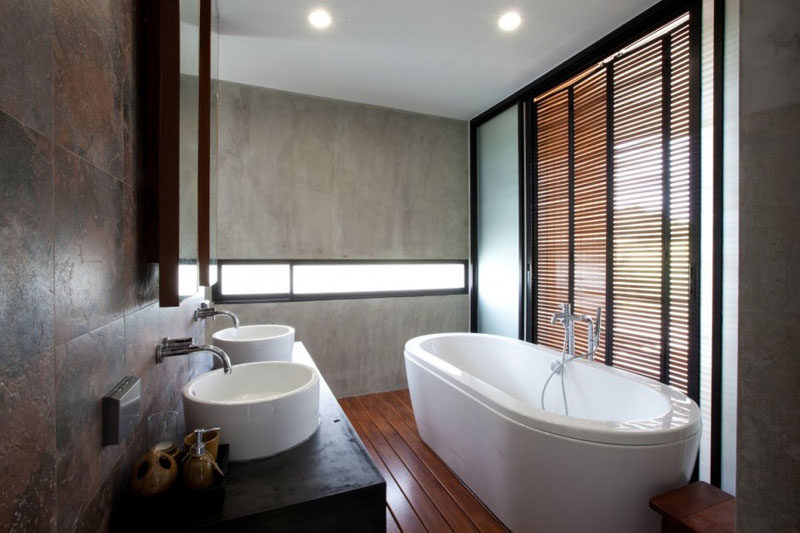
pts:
pixel 608 168
pixel 497 247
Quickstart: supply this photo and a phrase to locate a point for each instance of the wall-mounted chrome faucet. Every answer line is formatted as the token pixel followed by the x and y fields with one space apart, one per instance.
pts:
pixel 173 347
pixel 204 311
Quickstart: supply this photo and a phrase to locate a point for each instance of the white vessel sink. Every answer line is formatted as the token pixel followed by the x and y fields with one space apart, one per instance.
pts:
pixel 262 342
pixel 263 408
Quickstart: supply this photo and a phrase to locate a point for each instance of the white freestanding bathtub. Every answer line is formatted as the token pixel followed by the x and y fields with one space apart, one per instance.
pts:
pixel 476 400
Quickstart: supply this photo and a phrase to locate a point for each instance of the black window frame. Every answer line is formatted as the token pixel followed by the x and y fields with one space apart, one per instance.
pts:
pixel 638 27
pixel 627 34
pixel 218 297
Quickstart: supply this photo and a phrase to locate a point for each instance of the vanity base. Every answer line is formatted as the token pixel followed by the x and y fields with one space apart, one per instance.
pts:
pixel 327 483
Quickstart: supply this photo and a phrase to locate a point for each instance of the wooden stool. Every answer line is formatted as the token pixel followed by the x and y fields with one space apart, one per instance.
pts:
pixel 698 507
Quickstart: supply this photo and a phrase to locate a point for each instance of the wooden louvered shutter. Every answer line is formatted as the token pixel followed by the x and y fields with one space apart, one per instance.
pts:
pixel 552 214
pixel 613 199
pixel 590 202
pixel 652 192
pixel 638 201
pixel 683 193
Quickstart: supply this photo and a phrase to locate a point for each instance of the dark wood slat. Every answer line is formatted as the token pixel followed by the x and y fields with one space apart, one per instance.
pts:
pixel 400 403
pixel 204 147
pixel 391 524
pixel 689 500
pixel 425 509
pixel 403 409
pixel 696 507
pixel 393 411
pixel 430 516
pixel 166 89
pixel 401 509
pixel 444 502
pixel 404 400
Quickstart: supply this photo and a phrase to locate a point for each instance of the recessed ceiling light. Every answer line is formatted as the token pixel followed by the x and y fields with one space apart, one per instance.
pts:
pixel 509 21
pixel 319 18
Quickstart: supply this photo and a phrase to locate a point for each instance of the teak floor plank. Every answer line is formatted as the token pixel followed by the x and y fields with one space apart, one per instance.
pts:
pixel 417 480
pixel 402 510
pixel 430 516
pixel 391 525
pixel 444 502
pixel 403 399
pixel 469 503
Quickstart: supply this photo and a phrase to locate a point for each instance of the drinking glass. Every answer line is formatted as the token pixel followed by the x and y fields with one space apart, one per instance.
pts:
pixel 162 431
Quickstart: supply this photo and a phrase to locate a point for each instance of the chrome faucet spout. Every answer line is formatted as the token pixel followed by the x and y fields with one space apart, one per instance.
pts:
pixel 231 316
pixel 204 311
pixel 220 354
pixel 174 347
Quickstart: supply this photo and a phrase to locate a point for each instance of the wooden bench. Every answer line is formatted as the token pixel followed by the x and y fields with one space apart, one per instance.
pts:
pixel 698 507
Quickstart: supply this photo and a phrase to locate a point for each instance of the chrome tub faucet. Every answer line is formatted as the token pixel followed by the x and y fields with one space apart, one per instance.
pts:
pixel 568 320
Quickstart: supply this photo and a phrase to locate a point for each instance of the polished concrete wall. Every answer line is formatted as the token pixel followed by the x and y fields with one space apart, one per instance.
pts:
pixel 358 344
pixel 311 178
pixel 78 306
pixel 768 457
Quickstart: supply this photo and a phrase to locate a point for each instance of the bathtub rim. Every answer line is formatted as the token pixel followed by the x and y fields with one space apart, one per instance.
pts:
pixel 681 421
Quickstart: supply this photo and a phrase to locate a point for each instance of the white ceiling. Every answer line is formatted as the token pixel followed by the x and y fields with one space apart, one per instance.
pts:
pixel 441 57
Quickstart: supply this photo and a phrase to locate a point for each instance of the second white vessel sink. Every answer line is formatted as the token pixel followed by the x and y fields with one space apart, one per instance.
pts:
pixel 263 408
pixel 261 342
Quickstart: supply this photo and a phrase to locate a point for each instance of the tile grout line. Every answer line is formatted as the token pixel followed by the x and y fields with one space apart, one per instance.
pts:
pixel 25 125
pixel 55 267
pixel 88 162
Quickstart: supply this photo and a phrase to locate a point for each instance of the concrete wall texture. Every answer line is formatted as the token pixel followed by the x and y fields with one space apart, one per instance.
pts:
pixel 768 457
pixel 358 344
pixel 303 177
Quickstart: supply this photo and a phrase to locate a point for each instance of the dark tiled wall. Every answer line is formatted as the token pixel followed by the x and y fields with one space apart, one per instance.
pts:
pixel 78 305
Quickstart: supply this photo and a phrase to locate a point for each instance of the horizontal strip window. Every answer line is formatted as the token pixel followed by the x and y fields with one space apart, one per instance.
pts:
pixel 255 279
pixel 243 281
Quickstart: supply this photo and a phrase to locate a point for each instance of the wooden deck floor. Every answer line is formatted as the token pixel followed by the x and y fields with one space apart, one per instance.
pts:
pixel 422 494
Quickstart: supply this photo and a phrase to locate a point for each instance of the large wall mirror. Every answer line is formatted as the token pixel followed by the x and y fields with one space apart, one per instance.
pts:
pixel 189 139
pixel 182 95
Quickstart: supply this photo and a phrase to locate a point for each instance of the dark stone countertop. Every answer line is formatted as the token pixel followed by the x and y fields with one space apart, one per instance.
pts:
pixel 328 483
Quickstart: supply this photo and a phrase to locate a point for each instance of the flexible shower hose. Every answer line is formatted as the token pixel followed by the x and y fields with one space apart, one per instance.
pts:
pixel 559 368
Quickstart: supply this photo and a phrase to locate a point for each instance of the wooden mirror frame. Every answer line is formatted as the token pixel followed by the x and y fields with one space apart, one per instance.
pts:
pixel 204 148
pixel 163 143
